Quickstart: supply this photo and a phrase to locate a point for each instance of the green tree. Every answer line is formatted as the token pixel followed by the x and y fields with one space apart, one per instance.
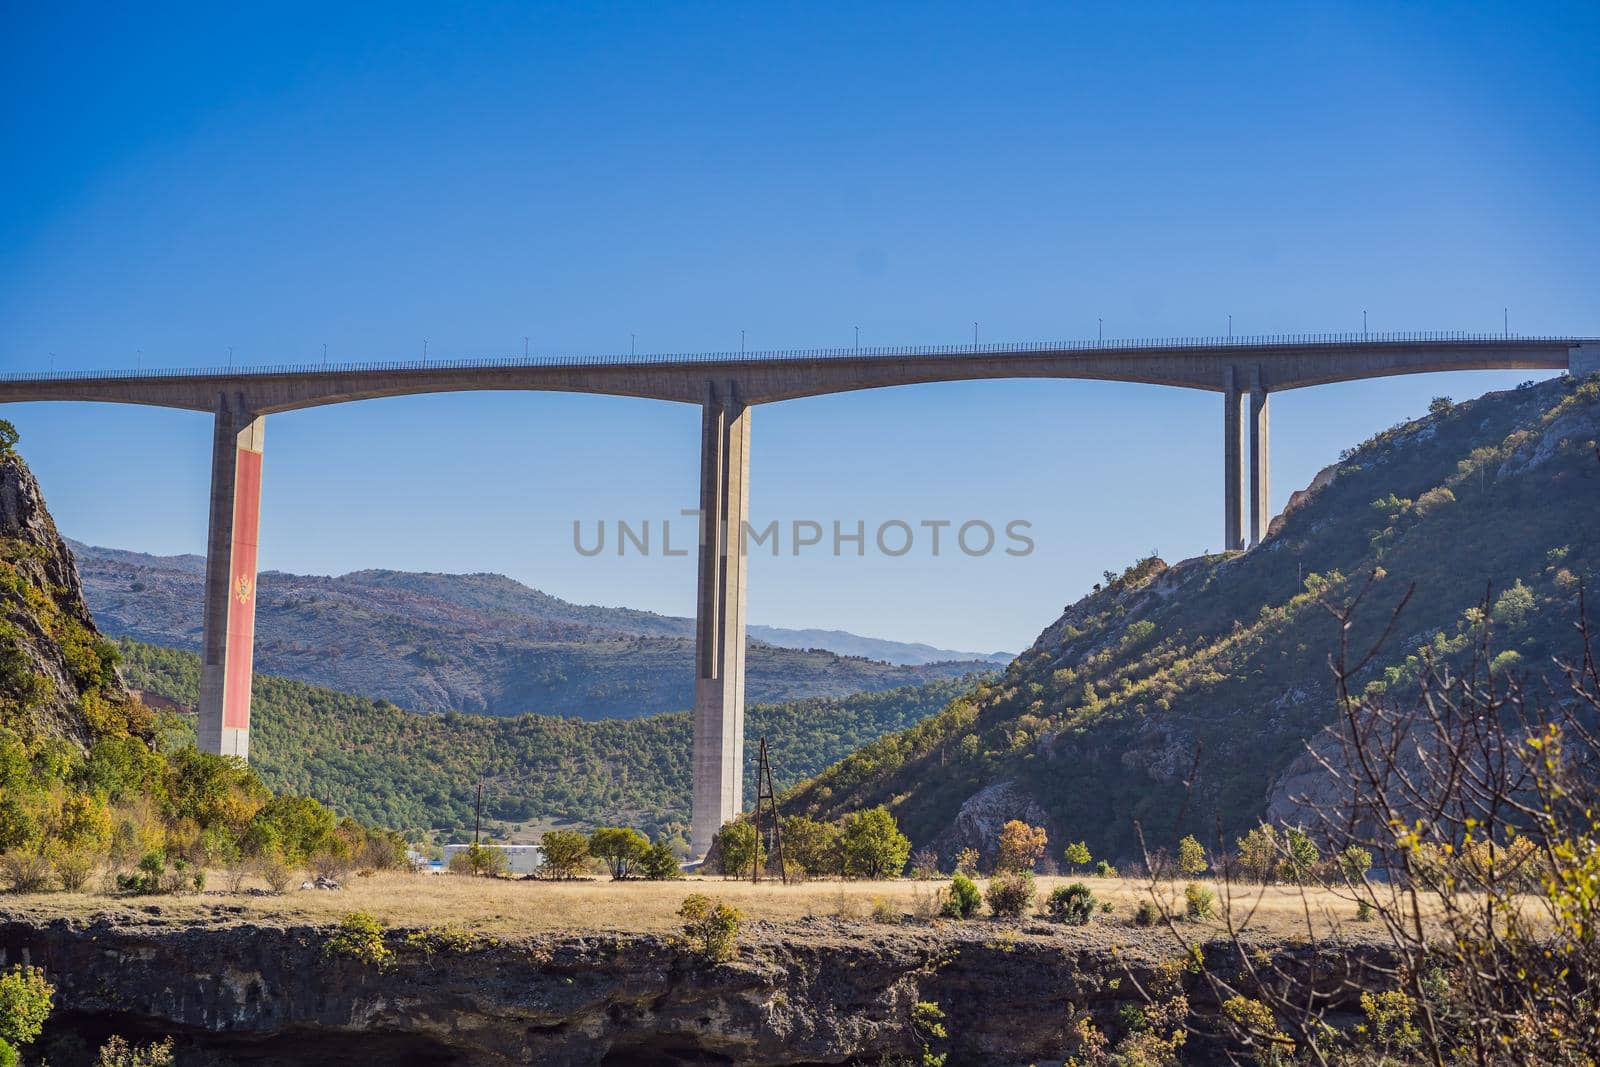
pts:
pixel 1191 857
pixel 812 844
pixel 564 853
pixel 660 863
pixel 1077 855
pixel 873 845
pixel 736 848
pixel 621 847
pixel 711 927
pixel 303 826
pixel 8 437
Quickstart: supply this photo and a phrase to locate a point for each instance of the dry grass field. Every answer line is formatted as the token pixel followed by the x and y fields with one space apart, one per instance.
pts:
pixel 508 908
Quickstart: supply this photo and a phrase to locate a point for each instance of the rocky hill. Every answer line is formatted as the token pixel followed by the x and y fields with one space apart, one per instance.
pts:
pixel 486 644
pixel 1183 696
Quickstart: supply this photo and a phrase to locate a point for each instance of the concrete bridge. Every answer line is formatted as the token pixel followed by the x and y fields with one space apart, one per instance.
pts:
pixel 727 386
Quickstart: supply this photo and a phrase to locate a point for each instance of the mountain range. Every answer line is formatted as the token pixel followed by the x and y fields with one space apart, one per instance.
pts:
pixel 483 643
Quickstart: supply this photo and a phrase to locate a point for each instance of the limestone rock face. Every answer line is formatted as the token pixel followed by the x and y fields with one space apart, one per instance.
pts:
pixel 807 992
pixel 978 823
pixel 48 640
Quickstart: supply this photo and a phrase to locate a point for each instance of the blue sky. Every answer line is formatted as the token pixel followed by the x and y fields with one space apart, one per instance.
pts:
pixel 178 181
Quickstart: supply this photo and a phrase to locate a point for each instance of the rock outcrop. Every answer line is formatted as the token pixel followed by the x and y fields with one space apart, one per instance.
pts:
pixel 807 992
pixel 51 654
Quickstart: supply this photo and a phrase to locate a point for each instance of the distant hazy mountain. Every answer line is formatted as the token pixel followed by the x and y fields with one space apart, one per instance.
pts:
pixel 485 643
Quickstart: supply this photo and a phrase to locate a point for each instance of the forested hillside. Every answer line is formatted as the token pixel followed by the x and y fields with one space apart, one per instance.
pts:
pixel 1183 696
pixel 483 643
pixel 415 772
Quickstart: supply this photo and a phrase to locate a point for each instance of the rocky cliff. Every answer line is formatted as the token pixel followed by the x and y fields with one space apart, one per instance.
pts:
pixel 808 992
pixel 57 673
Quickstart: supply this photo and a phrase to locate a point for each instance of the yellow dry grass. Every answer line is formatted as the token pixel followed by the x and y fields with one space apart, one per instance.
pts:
pixel 508 908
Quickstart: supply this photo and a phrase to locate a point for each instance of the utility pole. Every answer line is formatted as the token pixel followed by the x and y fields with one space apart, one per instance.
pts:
pixel 324 356
pixel 766 792
pixel 632 340
pixel 477 818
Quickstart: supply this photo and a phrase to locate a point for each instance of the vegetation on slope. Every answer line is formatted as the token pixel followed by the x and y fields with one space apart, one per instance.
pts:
pixel 398 768
pixel 1180 696
pixel 88 781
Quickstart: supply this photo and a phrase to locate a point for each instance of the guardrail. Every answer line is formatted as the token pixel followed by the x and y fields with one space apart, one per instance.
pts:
pixel 848 352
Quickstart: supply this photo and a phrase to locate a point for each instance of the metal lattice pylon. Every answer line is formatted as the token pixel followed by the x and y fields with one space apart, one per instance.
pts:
pixel 766 792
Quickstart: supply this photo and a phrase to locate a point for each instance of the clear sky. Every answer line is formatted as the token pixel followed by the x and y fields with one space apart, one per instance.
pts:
pixel 177 182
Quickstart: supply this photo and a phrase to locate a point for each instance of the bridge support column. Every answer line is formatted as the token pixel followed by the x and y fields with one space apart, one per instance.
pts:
pixel 1584 359
pixel 719 616
pixel 1233 461
pixel 1260 460
pixel 227 649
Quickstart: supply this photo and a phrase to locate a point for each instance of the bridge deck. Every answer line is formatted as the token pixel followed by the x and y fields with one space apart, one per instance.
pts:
pixel 1285 362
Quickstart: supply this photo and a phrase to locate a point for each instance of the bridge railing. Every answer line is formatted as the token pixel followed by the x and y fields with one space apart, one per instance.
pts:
pixel 666 359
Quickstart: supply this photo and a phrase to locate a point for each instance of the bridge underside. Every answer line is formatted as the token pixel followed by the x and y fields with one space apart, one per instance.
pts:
pixel 726 389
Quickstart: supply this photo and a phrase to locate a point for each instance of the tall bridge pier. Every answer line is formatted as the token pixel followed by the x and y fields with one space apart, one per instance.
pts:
pixel 227 647
pixel 726 386
pixel 719 613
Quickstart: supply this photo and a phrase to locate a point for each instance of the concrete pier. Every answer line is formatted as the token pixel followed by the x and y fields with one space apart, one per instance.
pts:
pixel 1584 359
pixel 720 621
pixel 227 650
pixel 1260 458
pixel 1233 463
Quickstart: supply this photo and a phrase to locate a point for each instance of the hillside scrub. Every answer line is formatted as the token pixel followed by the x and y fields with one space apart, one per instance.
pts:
pixel 1193 688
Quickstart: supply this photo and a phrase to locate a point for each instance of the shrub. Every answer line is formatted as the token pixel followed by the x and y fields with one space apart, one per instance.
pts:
pixel 1253 1026
pixel 1010 894
pixel 1301 857
pixel 480 861
pixel 276 872
pixel 119 1053
pixel 360 938
pixel 711 927
pixel 1071 904
pixel 883 911
pixel 925 864
pixel 1355 862
pixel 26 998
pixel 1363 911
pixel 73 867
pixel 1077 855
pixel 962 898
pixel 1104 870
pixel 1191 856
pixel 25 870
pixel 967 862
pixel 147 878
pixel 1198 901
pixel 1146 914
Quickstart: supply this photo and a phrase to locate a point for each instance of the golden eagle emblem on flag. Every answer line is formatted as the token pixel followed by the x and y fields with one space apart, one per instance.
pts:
pixel 242 587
